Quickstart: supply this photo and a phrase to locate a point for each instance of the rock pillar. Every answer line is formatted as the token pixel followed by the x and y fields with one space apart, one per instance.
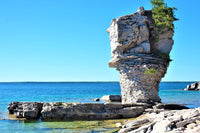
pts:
pixel 141 59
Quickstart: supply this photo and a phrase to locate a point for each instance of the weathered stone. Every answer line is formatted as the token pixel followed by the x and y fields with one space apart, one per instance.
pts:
pixel 29 110
pixel 141 61
pixel 89 111
pixel 118 125
pixel 192 125
pixel 168 121
pixel 12 106
pixel 75 111
pixel 138 122
pixel 162 126
pixel 193 87
pixel 111 98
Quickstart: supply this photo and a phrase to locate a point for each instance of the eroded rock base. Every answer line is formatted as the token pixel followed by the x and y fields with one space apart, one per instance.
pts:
pixel 139 80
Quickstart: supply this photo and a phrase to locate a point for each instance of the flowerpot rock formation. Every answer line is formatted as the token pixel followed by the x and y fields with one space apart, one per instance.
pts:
pixel 140 55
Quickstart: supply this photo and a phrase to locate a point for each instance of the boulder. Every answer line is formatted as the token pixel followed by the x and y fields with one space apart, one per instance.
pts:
pixel 193 87
pixel 111 98
pixel 29 110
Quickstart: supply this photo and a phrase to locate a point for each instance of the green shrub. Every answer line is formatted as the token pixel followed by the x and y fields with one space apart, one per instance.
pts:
pixel 164 55
pixel 163 17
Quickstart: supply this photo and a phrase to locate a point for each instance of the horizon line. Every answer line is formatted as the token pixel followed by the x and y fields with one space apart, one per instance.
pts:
pixel 73 81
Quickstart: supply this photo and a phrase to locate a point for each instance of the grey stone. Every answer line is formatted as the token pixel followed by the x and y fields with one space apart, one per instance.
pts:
pixel 29 110
pixel 89 111
pixel 75 111
pixel 12 106
pixel 118 125
pixel 111 98
pixel 168 121
pixel 137 57
pixel 169 106
pixel 192 125
pixel 193 87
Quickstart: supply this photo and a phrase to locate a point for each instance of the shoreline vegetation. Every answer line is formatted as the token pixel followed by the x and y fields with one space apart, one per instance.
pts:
pixel 29 110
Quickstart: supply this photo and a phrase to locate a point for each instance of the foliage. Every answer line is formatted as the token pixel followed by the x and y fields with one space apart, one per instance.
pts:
pixel 150 71
pixel 163 16
pixel 161 54
pixel 58 103
pixel 164 55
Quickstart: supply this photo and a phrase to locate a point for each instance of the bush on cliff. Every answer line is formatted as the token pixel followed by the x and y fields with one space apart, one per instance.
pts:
pixel 162 15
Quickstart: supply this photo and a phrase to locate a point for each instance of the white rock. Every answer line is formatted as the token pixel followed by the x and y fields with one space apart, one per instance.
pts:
pixel 118 125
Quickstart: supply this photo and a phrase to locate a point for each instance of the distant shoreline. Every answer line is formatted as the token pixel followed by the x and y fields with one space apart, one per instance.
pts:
pixel 87 81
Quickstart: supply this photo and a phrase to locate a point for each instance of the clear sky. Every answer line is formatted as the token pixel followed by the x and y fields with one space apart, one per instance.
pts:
pixel 66 40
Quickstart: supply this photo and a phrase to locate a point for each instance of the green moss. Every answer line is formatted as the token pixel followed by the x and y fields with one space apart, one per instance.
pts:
pixel 113 130
pixel 156 39
pixel 151 71
pixel 58 104
pixel 161 54
pixel 107 126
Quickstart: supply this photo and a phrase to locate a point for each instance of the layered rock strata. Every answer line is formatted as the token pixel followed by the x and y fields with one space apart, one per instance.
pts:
pixel 29 110
pixel 140 55
pixel 171 121
pixel 75 111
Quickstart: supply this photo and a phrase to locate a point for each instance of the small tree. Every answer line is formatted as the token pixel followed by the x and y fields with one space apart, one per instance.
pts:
pixel 162 15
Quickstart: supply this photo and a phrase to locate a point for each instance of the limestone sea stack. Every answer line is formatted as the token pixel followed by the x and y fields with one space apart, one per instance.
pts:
pixel 140 55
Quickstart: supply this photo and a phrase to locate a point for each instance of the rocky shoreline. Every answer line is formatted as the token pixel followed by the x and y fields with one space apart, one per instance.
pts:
pixel 158 118
pixel 75 111
pixel 166 121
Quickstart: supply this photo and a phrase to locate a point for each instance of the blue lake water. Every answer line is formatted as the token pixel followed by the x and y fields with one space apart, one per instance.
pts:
pixel 170 92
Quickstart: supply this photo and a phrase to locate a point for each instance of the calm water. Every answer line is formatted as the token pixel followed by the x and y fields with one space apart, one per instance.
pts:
pixel 170 92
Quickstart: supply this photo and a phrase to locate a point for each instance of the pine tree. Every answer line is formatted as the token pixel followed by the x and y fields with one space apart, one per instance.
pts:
pixel 163 15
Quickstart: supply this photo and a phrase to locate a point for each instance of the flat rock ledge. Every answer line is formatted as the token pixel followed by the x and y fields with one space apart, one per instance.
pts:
pixel 167 121
pixel 193 87
pixel 75 111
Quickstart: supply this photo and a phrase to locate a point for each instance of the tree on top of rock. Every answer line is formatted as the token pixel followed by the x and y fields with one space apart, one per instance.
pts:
pixel 162 15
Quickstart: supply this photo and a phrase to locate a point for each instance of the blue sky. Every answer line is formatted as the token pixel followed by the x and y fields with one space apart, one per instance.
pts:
pixel 66 40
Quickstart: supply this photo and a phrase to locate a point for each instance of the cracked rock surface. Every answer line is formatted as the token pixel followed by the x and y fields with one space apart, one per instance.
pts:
pixel 141 60
pixel 166 121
